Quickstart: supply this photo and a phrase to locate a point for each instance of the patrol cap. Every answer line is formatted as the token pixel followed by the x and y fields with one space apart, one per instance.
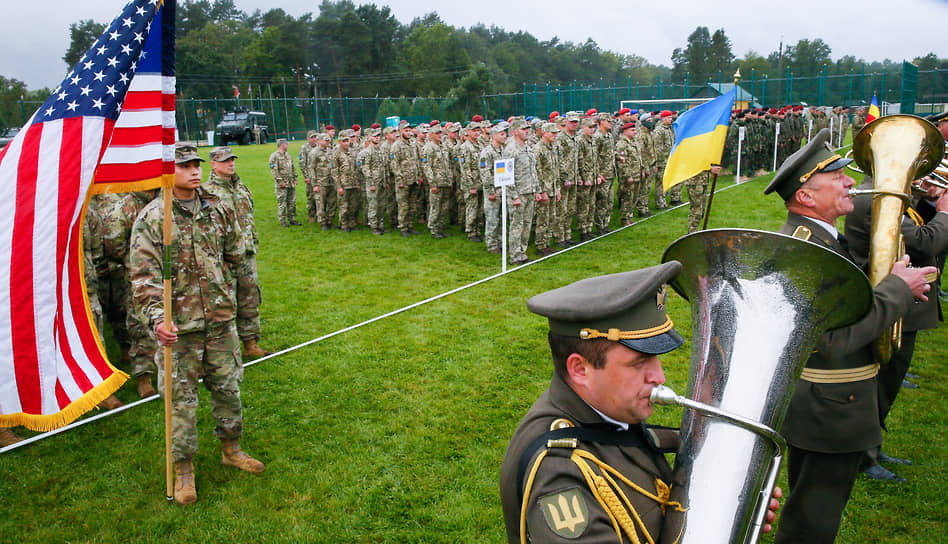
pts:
pixel 588 122
pixel 345 134
pixel 221 154
pixel 472 125
pixel 434 129
pixel 573 116
pixel 281 141
pixel 186 152
pixel 311 133
pixel 324 136
pixel 550 127
pixel 628 308
pixel 815 157
pixel 452 127
pixel 605 116
pixel 536 121
pixel 388 130
pixel 375 132
pixel 518 123
pixel 499 127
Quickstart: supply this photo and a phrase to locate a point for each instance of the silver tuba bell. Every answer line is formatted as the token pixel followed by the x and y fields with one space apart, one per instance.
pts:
pixel 760 301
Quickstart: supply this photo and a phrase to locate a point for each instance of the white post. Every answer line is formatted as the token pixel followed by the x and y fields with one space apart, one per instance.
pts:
pixel 740 140
pixel 776 139
pixel 503 228
pixel 809 132
pixel 831 130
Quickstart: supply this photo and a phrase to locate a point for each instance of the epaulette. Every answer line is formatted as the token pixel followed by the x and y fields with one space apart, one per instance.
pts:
pixel 802 233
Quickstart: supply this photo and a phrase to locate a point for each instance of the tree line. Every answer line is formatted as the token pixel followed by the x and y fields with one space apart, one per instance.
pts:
pixel 351 50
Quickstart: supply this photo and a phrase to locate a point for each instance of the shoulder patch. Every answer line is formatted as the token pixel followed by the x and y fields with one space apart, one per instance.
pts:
pixel 565 512
pixel 483 164
pixel 802 233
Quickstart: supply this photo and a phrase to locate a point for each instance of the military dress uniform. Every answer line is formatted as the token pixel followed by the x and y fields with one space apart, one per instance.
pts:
pixel 284 181
pixel 567 464
pixel 833 416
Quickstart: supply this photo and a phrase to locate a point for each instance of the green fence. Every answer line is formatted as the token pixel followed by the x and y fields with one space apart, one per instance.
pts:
pixel 292 117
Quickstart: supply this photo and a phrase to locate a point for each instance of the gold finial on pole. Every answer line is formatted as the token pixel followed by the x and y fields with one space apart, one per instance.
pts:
pixel 737 75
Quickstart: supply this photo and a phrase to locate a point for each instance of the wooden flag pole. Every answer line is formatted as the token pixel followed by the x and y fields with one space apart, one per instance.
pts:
pixel 166 268
pixel 707 211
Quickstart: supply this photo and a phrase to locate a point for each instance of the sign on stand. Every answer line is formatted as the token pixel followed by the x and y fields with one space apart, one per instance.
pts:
pixel 503 177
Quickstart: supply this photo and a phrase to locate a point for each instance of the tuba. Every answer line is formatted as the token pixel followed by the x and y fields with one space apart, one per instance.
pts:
pixel 894 150
pixel 760 301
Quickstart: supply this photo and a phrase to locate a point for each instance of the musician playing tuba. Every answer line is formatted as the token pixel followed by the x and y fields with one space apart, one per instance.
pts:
pixel 833 417
pixel 583 466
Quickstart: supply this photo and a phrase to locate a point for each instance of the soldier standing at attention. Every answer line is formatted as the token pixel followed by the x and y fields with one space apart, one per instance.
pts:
pixel 470 184
pixel 372 164
pixel 631 172
pixel 437 168
pixel 492 205
pixel 698 196
pixel 387 197
pixel 645 147
pixel 522 195
pixel 548 178
pixel 407 176
pixel 663 139
pixel 224 182
pixel 606 173
pixel 567 149
pixel 308 146
pixel 202 333
pixel 347 182
pixel 320 172
pixel 585 190
pixel 284 180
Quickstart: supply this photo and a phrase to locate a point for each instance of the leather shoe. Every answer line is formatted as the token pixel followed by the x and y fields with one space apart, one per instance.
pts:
pixel 912 376
pixel 883 458
pixel 882 474
pixel 909 385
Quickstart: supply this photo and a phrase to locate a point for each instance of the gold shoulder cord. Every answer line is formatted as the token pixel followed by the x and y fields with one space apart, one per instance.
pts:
pixel 915 217
pixel 609 495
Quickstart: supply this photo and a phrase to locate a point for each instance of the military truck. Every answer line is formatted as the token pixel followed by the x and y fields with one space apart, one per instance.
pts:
pixel 241 126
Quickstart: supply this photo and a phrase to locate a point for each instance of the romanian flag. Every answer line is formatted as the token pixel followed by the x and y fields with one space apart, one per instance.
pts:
pixel 699 139
pixel 873 112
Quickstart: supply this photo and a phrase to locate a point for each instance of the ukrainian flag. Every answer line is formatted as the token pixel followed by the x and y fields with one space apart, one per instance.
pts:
pixel 699 139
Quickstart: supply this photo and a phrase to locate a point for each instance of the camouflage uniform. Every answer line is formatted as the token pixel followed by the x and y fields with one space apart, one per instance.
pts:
pixel 524 188
pixel 437 168
pixel 284 179
pixel 492 208
pixel 663 139
pixel 565 146
pixel 471 181
pixel 346 177
pixel 93 259
pixel 387 190
pixel 324 192
pixel 371 162
pixel 606 166
pixel 112 284
pixel 116 236
pixel 405 168
pixel 697 199
pixel 303 159
pixel 544 214
pixel 585 191
pixel 206 247
pixel 236 195
pixel 644 146
pixel 630 166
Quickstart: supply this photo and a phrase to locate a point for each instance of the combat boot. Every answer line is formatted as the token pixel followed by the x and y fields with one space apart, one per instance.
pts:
pixel 111 403
pixel 184 490
pixel 8 437
pixel 233 456
pixel 251 349
pixel 145 389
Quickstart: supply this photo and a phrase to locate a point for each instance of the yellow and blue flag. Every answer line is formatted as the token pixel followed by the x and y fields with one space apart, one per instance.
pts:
pixel 699 139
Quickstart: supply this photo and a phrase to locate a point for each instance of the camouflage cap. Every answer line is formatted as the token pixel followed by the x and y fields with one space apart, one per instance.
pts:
pixel 814 158
pixel 186 152
pixel 518 123
pixel 281 141
pixel 388 130
pixel 550 127
pixel 588 122
pixel 346 134
pixel 374 131
pixel 573 116
pixel 452 127
pixel 472 125
pixel 324 136
pixel 311 133
pixel 221 154
pixel 605 116
pixel 628 308
pixel 436 129
pixel 499 127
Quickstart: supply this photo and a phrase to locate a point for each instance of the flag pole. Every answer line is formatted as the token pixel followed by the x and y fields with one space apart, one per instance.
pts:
pixel 166 268
pixel 707 212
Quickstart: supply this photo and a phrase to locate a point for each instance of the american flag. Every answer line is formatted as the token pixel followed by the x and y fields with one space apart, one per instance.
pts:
pixel 111 120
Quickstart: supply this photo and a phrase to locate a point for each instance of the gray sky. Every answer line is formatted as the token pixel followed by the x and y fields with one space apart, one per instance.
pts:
pixel 36 33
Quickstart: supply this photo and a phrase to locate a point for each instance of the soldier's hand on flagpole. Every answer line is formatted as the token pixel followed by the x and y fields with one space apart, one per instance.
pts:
pixel 166 337
pixel 715 169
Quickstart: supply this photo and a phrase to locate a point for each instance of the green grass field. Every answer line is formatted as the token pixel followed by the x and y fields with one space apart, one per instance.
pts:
pixel 394 432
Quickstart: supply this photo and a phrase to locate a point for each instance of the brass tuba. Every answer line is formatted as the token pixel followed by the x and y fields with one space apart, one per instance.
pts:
pixel 760 301
pixel 894 150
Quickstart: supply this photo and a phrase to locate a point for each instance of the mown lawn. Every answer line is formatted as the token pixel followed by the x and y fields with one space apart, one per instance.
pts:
pixel 394 432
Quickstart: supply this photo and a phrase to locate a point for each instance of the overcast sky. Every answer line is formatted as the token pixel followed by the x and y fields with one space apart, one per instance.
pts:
pixel 35 34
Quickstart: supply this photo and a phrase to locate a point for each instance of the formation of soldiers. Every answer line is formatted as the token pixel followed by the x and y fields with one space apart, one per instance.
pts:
pixel 569 170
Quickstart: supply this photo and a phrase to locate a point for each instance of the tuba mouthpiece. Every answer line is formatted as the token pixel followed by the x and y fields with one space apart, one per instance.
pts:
pixel 663 395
